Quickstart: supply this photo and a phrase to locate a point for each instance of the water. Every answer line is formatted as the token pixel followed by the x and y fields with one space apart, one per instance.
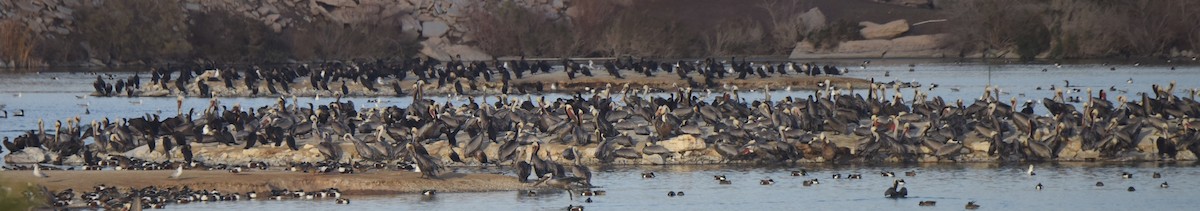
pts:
pixel 1068 186
pixel 59 95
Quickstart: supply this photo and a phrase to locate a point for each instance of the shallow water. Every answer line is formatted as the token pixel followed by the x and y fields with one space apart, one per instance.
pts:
pixel 1068 186
pixel 60 95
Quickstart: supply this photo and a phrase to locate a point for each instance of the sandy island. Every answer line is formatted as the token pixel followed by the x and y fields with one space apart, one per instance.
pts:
pixel 369 183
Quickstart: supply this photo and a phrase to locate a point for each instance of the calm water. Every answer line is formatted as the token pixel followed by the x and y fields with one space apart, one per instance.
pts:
pixel 59 95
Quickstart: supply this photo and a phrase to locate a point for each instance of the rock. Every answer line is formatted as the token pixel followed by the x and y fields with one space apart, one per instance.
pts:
pixel 863 46
pixel 468 53
pixel 813 19
pixel 908 3
pixel 339 3
pixel 29 6
pixel 3 65
pixel 273 17
pixel 683 143
pixel 276 27
pixel 192 7
pixel 653 159
pixel 919 42
pixel 434 29
pixel 28 155
pixel 888 30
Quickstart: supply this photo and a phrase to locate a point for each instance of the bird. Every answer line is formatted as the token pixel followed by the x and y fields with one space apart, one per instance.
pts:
pixel 1099 184
pixel 766 182
pixel 1038 186
pixel 1030 171
pixel 1163 185
pixel 1130 189
pixel 37 172
pixel 343 201
pixel 178 171
pixel 801 172
pixel 927 203
pixel 429 192
pixel 1156 175
pixel 671 193
pixel 647 175
pixel 971 205
pixel 893 192
pixel 1126 175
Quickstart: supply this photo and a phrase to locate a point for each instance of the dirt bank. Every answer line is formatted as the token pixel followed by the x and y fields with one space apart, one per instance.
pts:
pixel 369 183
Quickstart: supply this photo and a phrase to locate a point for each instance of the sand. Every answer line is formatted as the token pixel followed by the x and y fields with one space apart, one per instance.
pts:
pixel 369 183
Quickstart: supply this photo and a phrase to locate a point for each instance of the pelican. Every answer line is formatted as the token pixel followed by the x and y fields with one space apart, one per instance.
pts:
pixel 429 167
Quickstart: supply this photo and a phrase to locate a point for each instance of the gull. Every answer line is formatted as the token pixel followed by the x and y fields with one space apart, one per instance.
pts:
pixel 178 171
pixel 37 172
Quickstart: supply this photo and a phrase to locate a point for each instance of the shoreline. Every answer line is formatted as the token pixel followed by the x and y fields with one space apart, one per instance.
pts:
pixel 359 184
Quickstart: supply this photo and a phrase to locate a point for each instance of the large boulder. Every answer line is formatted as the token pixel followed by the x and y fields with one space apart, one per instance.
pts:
pixel 683 143
pixel 888 30
pixel 434 29
pixel 28 155
pixel 813 19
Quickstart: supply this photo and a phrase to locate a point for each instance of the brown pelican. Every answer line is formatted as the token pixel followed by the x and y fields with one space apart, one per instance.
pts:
pixel 425 164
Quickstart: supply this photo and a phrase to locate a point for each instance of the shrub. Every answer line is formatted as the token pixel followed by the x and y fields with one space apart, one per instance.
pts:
pixel 505 28
pixel 135 30
pixel 376 39
pixel 17 43
pixel 227 37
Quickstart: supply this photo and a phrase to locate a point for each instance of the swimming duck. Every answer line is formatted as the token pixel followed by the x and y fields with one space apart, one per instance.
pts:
pixel 1163 185
pixel 971 205
pixel 647 175
pixel 1130 189
pixel 343 201
pixel 1156 175
pixel 671 193
pixel 1099 184
pixel 766 182
pixel 927 203
pixel 1126 175
pixel 1038 186
pixel 801 172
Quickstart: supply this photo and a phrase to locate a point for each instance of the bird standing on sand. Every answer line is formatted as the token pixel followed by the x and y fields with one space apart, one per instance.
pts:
pixel 37 172
pixel 178 171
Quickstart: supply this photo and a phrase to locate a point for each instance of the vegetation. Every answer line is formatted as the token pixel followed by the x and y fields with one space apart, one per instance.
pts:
pixel 1078 28
pixel 17 43
pixel 14 196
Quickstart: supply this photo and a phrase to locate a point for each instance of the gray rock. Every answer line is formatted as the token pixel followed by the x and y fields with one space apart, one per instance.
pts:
pixel 888 30
pixel 813 19
pixel 192 7
pixel 434 28
pixel 28 155
pixel 29 6
pixel 339 3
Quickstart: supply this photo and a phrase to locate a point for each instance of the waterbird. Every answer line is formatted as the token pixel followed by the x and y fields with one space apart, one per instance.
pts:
pixel 1099 184
pixel 1030 171
pixel 971 205
pixel 671 193
pixel 37 171
pixel 1163 185
pixel 766 182
pixel 1156 175
pixel 647 175
pixel 927 203
pixel 1126 175
pixel 893 192
pixel 178 171
pixel 1130 189
pixel 1038 186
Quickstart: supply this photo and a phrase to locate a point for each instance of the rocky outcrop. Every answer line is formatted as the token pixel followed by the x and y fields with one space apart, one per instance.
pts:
pixel 889 30
pixel 901 47
pixel 813 19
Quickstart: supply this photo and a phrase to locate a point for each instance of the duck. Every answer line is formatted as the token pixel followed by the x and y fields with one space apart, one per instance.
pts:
pixel 343 201
pixel 971 205
pixel 766 182
pixel 725 182
pixel 811 182
pixel 887 174
pixel 1126 175
pixel 836 176
pixel 588 200
pixel 719 177
pixel 910 173
pixel 801 172
pixel 679 193
pixel 927 203
pixel 671 193
pixel 647 175
pixel 1130 189
pixel 1038 186
pixel 855 176
pixel 429 192
pixel 1156 175
pixel 1099 184
pixel 1163 185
